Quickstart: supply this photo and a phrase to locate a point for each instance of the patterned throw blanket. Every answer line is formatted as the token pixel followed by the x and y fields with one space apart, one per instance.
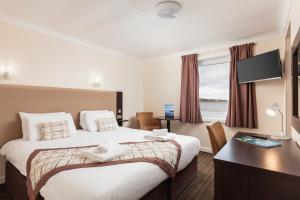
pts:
pixel 45 163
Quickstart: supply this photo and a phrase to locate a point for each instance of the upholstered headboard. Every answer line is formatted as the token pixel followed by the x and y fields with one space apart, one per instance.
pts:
pixel 15 99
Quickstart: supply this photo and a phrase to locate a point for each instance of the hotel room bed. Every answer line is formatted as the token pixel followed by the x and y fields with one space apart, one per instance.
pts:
pixel 122 181
pixel 129 181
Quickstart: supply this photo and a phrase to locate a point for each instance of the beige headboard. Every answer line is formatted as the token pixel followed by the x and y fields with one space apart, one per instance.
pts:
pixel 15 99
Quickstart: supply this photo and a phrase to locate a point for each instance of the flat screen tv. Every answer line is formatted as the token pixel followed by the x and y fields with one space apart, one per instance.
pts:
pixel 265 66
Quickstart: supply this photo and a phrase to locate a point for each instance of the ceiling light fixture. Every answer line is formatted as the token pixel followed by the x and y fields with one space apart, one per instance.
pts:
pixel 168 9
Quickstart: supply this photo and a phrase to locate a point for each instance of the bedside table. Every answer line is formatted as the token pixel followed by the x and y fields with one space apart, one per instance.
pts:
pixel 120 121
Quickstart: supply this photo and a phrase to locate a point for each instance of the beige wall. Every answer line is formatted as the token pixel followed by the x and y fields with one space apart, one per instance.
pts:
pixel 294 17
pixel 287 89
pixel 38 59
pixel 162 85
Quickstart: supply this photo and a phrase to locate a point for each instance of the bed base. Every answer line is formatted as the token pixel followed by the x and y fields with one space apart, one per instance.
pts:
pixel 15 184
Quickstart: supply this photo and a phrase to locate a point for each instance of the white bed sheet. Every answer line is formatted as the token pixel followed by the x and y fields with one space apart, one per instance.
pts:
pixel 124 181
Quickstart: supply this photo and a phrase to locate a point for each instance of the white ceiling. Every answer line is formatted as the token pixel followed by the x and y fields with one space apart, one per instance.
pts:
pixel 132 28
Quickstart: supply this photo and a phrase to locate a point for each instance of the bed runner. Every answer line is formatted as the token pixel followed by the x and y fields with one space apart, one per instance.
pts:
pixel 42 164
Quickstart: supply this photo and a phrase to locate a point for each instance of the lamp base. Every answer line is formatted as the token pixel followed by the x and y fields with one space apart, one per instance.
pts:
pixel 279 137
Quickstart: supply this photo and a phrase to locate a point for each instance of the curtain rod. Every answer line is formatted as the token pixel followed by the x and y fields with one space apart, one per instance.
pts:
pixel 218 63
pixel 214 50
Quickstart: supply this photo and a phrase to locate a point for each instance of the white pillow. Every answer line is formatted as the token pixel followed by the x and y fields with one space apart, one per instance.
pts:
pixel 82 117
pixel 92 119
pixel 24 115
pixel 33 123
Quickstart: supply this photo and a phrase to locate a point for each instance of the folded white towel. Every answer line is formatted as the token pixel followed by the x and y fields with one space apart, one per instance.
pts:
pixel 160 132
pixel 113 151
pixel 169 136
pixel 100 149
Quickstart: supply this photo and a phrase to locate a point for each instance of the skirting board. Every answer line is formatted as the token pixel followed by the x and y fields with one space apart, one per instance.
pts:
pixel 2 180
pixel 206 149
pixel 296 136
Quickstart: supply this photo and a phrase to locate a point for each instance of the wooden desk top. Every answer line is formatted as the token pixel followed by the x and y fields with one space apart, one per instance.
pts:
pixel 284 159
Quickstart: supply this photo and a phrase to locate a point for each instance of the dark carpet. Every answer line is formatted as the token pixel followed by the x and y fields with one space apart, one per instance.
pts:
pixel 201 188
pixel 3 194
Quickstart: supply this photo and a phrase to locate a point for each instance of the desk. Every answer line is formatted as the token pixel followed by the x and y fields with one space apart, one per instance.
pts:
pixel 168 121
pixel 244 171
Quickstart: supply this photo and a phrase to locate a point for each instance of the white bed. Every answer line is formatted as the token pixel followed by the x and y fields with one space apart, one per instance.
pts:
pixel 123 181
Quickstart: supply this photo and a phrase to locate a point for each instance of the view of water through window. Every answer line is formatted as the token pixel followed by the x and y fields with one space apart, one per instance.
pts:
pixel 213 110
pixel 214 89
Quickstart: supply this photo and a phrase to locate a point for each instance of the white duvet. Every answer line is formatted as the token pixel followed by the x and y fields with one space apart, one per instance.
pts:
pixel 123 181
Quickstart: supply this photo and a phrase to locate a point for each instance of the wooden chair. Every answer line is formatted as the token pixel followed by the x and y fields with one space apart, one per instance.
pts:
pixel 216 136
pixel 145 121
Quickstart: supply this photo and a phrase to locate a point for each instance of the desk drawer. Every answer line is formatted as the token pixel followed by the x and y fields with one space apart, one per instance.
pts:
pixel 239 182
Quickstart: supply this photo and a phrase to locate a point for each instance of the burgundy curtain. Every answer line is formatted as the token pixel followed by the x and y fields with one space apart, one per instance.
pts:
pixel 242 111
pixel 189 97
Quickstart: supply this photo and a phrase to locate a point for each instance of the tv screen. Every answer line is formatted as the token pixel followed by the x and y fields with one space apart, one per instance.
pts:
pixel 260 67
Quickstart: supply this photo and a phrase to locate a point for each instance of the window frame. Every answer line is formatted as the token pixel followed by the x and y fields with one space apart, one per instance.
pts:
pixel 207 61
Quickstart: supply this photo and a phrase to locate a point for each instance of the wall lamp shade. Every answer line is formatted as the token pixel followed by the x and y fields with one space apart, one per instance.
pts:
pixel 6 72
pixel 272 112
pixel 97 82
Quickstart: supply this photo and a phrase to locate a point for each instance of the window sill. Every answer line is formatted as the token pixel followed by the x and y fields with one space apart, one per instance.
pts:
pixel 213 120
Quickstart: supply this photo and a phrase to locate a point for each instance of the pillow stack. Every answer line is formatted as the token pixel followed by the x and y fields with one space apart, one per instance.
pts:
pixel 50 126
pixel 32 123
pixel 98 120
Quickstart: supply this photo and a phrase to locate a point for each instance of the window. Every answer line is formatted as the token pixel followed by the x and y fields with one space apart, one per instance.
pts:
pixel 214 88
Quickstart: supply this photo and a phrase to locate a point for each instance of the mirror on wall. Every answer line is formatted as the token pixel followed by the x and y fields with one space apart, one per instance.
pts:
pixel 298 63
pixel 298 70
pixel 296 81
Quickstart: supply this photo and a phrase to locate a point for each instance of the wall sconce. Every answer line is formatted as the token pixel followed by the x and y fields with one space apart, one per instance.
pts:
pixel 97 82
pixel 6 72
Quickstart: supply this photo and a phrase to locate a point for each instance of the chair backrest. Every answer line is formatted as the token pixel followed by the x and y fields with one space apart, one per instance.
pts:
pixel 217 136
pixel 144 118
